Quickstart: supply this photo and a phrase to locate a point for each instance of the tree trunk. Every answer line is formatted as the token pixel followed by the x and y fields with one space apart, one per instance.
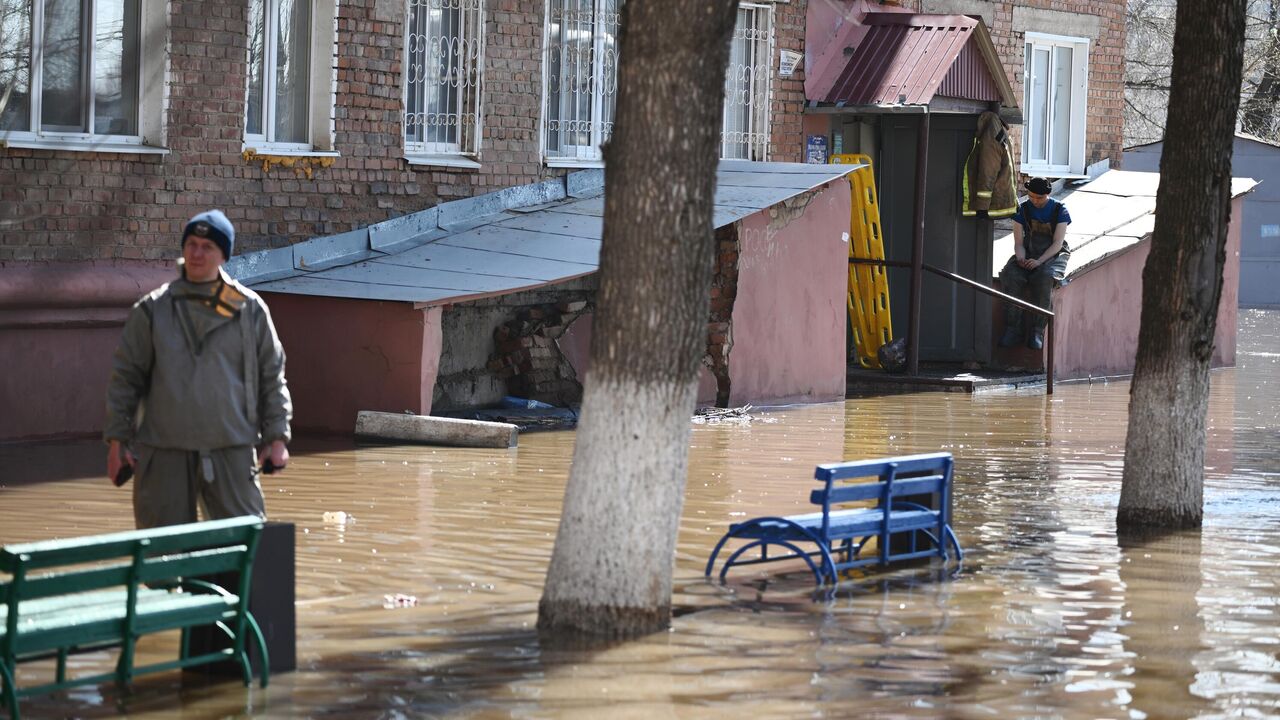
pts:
pixel 1163 482
pixel 610 572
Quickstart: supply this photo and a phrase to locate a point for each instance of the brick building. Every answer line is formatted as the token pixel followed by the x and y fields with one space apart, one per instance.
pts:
pixel 121 119
pixel 300 119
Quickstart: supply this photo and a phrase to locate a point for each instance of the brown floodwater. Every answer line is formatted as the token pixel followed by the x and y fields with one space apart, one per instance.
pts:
pixel 1049 617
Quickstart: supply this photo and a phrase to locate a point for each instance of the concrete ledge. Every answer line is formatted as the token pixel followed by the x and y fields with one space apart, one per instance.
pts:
pixel 434 430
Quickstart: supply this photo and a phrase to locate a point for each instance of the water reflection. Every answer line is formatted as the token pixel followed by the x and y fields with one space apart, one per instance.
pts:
pixel 1051 616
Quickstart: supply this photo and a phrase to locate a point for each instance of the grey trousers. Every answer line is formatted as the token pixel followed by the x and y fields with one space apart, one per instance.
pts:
pixel 1014 280
pixel 171 483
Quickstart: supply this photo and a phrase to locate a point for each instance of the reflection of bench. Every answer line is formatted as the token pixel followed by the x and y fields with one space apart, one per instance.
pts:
pixel 910 518
pixel 89 593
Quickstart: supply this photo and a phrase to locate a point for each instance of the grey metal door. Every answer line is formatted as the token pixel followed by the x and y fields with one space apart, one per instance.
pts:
pixel 955 321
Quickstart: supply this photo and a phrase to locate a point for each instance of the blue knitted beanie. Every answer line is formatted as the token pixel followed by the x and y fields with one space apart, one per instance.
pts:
pixel 214 226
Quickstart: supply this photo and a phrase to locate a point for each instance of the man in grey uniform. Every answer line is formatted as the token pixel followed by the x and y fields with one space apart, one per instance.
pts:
pixel 197 383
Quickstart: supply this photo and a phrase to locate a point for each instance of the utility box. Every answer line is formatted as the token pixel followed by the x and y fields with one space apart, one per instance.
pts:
pixel 271 601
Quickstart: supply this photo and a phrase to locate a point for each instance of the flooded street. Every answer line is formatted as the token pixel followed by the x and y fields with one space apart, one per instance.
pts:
pixel 1050 617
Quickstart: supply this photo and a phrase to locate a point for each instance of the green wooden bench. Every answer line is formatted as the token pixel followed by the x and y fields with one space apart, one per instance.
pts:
pixel 104 591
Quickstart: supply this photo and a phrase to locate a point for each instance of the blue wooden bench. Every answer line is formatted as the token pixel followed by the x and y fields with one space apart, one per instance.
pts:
pixel 105 591
pixel 904 527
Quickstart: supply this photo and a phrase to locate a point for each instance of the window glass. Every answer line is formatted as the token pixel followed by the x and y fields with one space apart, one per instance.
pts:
pixel 1061 127
pixel 115 77
pixel 277 104
pixel 292 68
pixel 1038 104
pixel 61 95
pixel 257 60
pixel 15 64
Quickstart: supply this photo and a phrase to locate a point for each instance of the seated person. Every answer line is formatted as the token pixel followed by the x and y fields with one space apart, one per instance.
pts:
pixel 1039 260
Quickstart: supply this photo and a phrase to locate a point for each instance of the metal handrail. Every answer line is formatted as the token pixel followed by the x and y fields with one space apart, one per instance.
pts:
pixel 1048 347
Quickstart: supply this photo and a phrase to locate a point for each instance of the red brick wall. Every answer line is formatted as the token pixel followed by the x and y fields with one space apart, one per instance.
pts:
pixel 74 206
pixel 786 142
pixel 71 206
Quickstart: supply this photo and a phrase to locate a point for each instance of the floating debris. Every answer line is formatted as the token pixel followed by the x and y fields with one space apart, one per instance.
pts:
pixel 399 600
pixel 728 416
pixel 339 518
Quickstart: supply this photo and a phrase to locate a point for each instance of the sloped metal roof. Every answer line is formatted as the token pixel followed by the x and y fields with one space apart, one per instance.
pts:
pixel 908 58
pixel 514 239
pixel 1108 215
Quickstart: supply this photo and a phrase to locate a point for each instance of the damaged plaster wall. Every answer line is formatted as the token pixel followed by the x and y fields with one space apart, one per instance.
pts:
pixel 473 372
pixel 789 312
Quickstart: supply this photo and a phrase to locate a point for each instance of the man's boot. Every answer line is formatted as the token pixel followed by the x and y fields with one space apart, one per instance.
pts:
pixel 1012 327
pixel 1036 341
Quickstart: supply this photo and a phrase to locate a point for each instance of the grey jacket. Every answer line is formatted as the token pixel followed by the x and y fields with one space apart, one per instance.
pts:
pixel 198 386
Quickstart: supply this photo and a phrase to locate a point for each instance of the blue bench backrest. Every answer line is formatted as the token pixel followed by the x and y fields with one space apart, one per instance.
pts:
pixel 895 477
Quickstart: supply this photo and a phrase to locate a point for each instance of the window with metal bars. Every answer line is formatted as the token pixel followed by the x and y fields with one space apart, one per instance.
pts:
pixel 581 79
pixel 444 51
pixel 745 132
pixel 1055 79
pixel 69 69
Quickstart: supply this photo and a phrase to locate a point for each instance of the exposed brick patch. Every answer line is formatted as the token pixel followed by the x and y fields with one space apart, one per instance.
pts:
pixel 724 290
pixel 527 356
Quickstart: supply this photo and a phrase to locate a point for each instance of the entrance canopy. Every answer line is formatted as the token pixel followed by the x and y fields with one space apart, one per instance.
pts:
pixel 894 59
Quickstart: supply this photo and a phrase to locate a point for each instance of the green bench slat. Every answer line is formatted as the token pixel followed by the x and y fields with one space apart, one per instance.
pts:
pixel 54 622
pixel 200 562
pixel 52 553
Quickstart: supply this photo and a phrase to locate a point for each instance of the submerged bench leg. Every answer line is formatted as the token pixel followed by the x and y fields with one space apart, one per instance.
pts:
pixel 10 692
pixel 955 543
pixel 262 648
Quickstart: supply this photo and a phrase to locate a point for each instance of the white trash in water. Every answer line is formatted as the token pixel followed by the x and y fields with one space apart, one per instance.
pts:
pixel 340 517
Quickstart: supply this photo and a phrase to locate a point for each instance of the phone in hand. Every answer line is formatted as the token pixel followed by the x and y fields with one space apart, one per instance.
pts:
pixel 269 468
pixel 123 475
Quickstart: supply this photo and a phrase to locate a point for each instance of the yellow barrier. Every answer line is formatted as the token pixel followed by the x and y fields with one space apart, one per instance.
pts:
pixel 868 284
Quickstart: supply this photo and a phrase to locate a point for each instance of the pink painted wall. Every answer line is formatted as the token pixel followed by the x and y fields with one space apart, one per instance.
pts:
pixel 789 316
pixel 1098 313
pixel 350 355
pixel 59 324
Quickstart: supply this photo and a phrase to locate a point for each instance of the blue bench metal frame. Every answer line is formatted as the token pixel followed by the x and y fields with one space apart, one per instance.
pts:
pixel 840 534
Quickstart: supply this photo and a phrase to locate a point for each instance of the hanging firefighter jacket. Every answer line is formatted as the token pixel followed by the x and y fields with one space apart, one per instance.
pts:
pixel 988 172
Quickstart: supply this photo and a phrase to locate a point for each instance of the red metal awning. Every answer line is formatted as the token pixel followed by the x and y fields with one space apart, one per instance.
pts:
pixel 909 58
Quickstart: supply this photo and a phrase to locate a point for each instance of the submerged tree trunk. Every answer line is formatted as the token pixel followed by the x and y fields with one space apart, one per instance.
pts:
pixel 1164 452
pixel 610 572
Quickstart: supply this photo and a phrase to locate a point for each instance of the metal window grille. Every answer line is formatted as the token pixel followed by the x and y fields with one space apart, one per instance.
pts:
pixel 277 108
pixel 745 132
pixel 443 71
pixel 582 77
pixel 70 69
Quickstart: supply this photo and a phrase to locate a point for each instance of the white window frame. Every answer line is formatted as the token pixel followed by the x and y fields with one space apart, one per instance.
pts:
pixel 467 107
pixel 604 84
pixel 750 85
pixel 1034 163
pixel 321 84
pixel 152 62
